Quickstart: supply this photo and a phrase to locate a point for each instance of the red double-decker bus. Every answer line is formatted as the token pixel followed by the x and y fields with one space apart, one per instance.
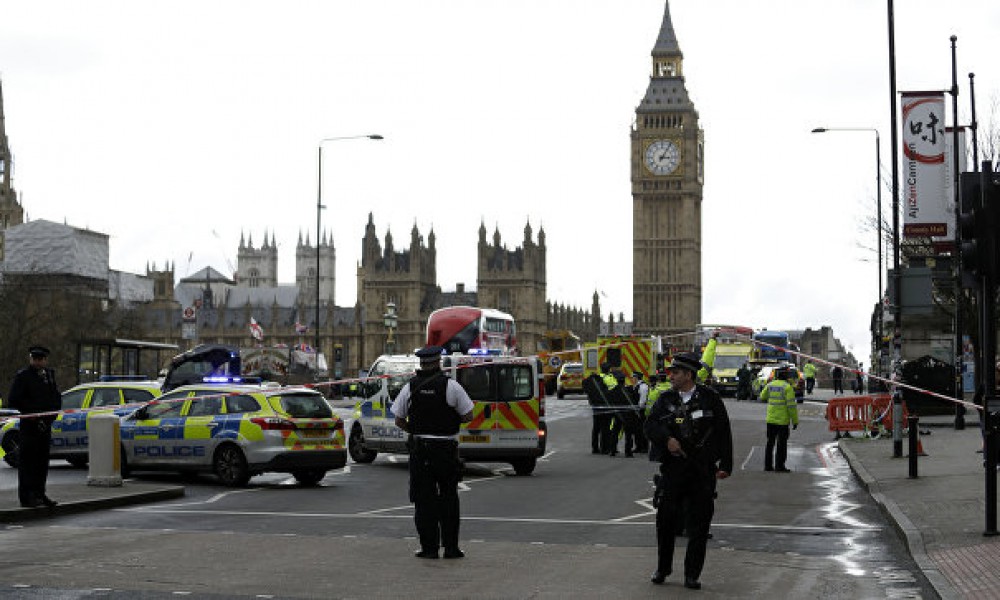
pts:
pixel 468 330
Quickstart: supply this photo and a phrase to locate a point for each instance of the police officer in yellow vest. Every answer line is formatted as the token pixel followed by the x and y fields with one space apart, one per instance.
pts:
pixel 612 422
pixel 809 370
pixel 781 411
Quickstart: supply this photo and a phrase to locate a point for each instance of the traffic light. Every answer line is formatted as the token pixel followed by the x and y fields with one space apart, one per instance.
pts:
pixel 338 352
pixel 976 226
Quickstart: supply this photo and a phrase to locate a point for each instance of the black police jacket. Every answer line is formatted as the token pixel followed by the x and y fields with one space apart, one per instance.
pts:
pixel 429 413
pixel 702 427
pixel 32 393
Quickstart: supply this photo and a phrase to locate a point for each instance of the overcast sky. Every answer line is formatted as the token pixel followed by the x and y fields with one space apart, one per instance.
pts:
pixel 175 126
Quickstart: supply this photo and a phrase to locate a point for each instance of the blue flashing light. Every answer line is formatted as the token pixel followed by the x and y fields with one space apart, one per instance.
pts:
pixel 484 352
pixel 221 379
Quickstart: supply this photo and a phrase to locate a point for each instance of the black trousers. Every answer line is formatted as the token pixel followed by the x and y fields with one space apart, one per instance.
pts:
pixel 689 504
pixel 838 385
pixel 33 461
pixel 612 432
pixel 776 450
pixel 434 474
pixel 630 424
pixel 810 384
pixel 599 439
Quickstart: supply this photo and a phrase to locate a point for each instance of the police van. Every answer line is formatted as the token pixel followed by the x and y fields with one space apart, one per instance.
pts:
pixel 508 423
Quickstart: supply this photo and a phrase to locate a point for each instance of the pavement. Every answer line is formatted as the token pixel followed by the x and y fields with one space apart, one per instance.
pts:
pixel 940 514
pixel 80 497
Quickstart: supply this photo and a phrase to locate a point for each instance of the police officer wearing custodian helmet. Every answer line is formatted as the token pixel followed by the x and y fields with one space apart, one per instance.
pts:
pixel 431 408
pixel 34 391
pixel 689 434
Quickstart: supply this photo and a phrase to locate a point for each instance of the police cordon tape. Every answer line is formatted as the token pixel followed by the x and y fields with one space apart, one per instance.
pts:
pixel 890 382
pixel 236 380
pixel 500 360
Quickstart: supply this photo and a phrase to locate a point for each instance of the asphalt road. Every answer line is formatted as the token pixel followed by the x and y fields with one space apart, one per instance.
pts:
pixel 581 526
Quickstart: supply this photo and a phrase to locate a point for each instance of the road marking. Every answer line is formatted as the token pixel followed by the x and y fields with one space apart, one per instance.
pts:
pixel 616 521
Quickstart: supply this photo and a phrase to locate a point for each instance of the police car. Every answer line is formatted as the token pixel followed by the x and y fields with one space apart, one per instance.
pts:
pixel 235 431
pixel 508 423
pixel 118 395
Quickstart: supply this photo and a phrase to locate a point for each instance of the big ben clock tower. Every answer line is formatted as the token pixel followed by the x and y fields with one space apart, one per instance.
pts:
pixel 667 178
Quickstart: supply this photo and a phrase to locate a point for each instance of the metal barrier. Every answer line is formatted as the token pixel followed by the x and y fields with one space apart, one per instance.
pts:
pixel 869 414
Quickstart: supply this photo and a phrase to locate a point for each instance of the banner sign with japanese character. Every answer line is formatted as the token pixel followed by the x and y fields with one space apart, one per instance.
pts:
pixel 925 209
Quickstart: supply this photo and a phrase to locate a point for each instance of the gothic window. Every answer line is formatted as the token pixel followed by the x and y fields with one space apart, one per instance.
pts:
pixel 254 278
pixel 504 301
pixel 311 279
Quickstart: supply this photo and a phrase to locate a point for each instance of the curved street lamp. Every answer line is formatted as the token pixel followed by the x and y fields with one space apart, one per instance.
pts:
pixel 319 215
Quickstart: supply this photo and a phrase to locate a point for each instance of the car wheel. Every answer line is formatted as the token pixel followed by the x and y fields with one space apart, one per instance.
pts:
pixel 524 466
pixel 231 466
pixel 12 448
pixel 356 446
pixel 78 461
pixel 309 476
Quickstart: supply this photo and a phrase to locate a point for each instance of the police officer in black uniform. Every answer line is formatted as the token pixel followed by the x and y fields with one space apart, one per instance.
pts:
pixel 689 434
pixel 432 407
pixel 34 391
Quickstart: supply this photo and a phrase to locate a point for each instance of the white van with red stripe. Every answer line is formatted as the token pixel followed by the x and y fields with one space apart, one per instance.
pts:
pixel 508 423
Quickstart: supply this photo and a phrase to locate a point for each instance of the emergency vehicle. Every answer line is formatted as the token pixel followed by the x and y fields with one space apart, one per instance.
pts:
pixel 235 430
pixel 733 350
pixel 508 423
pixel 118 395
pixel 626 354
pixel 557 347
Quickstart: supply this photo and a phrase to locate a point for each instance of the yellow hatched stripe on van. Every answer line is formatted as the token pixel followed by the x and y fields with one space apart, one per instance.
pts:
pixel 517 415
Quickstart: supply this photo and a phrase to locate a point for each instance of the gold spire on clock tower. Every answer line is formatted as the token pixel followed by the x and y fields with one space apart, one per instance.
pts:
pixel 667 177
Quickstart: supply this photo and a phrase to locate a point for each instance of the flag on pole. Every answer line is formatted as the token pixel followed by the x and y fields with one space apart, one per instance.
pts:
pixel 300 328
pixel 256 331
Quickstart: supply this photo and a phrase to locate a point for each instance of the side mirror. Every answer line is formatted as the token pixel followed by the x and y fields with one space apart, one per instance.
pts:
pixel 141 414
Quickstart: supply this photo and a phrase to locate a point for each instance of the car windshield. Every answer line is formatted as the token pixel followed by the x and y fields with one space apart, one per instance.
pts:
pixel 73 399
pixel 729 362
pixel 305 406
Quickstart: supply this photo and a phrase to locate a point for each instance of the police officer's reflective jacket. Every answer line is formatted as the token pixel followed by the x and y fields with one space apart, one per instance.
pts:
pixel 610 381
pixel 781 406
pixel 701 426
pixel 429 413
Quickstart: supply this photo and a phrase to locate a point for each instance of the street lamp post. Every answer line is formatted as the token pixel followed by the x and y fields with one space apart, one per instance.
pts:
pixel 878 224
pixel 319 216
pixel 390 319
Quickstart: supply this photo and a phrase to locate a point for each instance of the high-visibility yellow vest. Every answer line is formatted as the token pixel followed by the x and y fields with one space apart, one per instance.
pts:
pixel 781 406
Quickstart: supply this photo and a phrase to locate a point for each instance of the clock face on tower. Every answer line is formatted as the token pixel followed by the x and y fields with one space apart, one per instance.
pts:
pixel 662 157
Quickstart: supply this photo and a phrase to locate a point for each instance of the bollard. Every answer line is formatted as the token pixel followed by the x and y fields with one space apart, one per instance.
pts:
pixel 104 432
pixel 897 424
pixel 912 422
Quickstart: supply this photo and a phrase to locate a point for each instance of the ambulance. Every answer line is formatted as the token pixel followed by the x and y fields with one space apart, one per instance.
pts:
pixel 625 354
pixel 508 423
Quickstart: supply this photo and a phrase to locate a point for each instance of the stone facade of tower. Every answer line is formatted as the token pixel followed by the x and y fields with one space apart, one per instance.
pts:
pixel 667 158
pixel 305 269
pixel 514 281
pixel 11 212
pixel 257 267
pixel 407 278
